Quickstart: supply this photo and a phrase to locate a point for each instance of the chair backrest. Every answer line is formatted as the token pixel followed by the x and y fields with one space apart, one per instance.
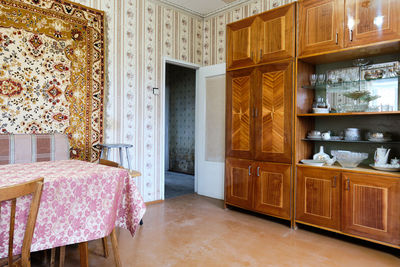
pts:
pixel 26 148
pixel 12 193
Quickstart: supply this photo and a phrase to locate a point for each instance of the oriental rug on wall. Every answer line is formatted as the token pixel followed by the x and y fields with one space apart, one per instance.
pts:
pixel 52 71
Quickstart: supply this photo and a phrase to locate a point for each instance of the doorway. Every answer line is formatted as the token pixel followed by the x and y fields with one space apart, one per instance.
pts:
pixel 180 107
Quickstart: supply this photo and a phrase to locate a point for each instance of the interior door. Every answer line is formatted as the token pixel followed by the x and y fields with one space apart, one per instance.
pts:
pixel 272 189
pixel 276 32
pixel 318 197
pixel 210 131
pixel 239 113
pixel 368 21
pixel 371 206
pixel 239 185
pixel 320 26
pixel 273 115
pixel 242 42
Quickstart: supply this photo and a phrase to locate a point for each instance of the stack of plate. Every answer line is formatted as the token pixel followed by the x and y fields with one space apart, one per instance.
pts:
pixel 314 137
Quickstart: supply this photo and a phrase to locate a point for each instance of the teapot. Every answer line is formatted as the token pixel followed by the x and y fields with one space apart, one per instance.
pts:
pixel 381 156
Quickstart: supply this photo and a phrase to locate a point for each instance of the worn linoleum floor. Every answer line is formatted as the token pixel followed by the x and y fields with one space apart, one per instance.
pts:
pixel 196 231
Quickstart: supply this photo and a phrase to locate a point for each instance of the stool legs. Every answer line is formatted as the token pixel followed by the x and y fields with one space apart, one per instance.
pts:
pixel 121 162
pixel 127 157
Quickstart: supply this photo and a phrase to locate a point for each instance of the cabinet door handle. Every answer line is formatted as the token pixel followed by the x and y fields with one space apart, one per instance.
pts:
pixel 334 181
pixel 351 35
pixel 249 170
pixel 337 38
pixel 256 113
pixel 261 54
pixel 347 184
pixel 258 171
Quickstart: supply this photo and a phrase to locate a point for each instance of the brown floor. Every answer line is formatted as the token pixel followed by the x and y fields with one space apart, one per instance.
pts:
pixel 196 231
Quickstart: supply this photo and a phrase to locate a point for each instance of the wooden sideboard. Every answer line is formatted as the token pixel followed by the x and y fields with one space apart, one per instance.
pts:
pixel 268 116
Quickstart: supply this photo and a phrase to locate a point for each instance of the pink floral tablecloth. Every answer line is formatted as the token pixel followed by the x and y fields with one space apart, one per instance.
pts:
pixel 81 201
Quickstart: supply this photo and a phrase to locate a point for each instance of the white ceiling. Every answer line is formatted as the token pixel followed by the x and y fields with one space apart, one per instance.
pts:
pixel 203 8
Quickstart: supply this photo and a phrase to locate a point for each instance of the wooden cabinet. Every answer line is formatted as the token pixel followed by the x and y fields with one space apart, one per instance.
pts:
pixel 239 113
pixel 320 26
pixel 318 197
pixel 272 189
pixel 370 21
pixel 238 182
pixel 267 37
pixel 371 207
pixel 241 43
pixel 259 186
pixel 276 33
pixel 273 112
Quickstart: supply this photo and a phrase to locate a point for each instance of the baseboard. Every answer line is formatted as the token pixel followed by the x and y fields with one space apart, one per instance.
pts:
pixel 154 202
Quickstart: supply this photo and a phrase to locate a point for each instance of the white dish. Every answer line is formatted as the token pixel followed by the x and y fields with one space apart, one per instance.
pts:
pixel 379 139
pixel 314 137
pixel 320 110
pixel 312 162
pixel 387 169
pixel 349 159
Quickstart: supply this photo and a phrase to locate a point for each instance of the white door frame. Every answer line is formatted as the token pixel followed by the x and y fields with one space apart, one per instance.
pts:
pixel 163 119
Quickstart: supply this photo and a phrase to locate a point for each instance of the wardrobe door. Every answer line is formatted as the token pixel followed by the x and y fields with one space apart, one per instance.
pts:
pixel 273 115
pixel 239 114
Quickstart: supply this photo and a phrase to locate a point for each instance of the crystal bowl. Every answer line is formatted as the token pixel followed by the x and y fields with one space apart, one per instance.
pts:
pixel 348 159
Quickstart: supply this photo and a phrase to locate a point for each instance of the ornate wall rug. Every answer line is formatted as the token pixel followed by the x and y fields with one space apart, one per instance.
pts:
pixel 52 75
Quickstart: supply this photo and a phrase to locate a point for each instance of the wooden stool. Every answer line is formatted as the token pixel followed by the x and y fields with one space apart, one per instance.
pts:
pixel 120 147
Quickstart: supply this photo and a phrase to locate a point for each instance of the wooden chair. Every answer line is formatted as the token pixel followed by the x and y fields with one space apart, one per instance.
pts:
pixel 12 193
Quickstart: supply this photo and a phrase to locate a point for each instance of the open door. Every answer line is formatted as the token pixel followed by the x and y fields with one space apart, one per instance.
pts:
pixel 210 131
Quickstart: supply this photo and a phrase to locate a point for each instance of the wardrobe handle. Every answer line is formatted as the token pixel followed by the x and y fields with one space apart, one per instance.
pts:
pixel 260 54
pixel 347 184
pixel 351 35
pixel 258 171
pixel 334 181
pixel 256 113
pixel 249 170
pixel 337 38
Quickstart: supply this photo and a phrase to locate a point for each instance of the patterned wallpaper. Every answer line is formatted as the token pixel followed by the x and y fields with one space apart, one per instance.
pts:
pixel 182 90
pixel 140 34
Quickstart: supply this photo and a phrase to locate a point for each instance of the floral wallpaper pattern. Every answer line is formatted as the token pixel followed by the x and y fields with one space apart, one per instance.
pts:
pixel 140 34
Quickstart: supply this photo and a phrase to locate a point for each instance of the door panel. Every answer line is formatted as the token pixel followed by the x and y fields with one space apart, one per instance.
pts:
pixel 210 131
pixel 238 114
pixel 274 113
pixel 241 40
pixel 369 21
pixel 276 33
pixel 321 26
pixel 318 197
pixel 272 189
pixel 371 207
pixel 239 182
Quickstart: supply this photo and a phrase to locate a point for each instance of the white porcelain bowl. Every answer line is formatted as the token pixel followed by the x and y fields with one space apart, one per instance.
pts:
pixel 348 159
pixel 320 110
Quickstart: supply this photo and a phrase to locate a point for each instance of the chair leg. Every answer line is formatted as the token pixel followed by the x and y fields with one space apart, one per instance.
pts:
pixel 141 222
pixel 114 243
pixel 52 257
pixel 105 247
pixel 83 251
pixel 62 256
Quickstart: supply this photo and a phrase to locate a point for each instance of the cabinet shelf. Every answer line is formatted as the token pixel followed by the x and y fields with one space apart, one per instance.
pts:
pixel 360 169
pixel 347 141
pixel 348 114
pixel 344 85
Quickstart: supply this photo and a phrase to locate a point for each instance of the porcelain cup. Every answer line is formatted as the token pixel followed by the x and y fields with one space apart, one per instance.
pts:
pixel 326 136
